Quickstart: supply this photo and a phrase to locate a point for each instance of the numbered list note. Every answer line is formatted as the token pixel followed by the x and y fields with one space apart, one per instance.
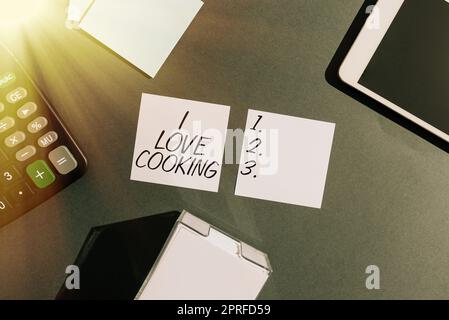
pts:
pixel 284 159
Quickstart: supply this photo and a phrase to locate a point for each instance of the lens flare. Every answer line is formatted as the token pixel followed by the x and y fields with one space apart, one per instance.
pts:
pixel 15 13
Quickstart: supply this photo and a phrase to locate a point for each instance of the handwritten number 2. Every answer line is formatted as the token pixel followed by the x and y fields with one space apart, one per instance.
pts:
pixel 257 142
pixel 251 164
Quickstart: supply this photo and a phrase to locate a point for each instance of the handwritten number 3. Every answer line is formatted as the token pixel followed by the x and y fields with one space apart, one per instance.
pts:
pixel 249 165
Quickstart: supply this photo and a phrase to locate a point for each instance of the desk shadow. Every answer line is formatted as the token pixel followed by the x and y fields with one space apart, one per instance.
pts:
pixel 334 80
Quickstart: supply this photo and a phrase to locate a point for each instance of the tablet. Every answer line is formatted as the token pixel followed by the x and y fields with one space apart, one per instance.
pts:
pixel 401 59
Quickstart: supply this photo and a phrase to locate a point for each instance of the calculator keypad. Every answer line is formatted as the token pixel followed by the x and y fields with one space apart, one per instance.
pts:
pixel 7 79
pixel 20 193
pixel 6 123
pixel 37 155
pixel 37 125
pixel 41 174
pixel 47 139
pixel 26 110
pixel 4 206
pixel 9 175
pixel 15 139
pixel 63 160
pixel 25 153
pixel 16 95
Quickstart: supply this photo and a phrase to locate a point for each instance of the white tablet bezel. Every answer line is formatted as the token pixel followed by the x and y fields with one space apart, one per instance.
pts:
pixel 364 49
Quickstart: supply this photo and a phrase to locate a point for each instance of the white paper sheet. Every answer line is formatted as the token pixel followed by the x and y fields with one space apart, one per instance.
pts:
pixel 180 142
pixel 144 32
pixel 284 159
pixel 77 9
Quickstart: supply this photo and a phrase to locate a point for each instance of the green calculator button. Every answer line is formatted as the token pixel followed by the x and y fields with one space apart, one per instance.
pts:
pixel 41 174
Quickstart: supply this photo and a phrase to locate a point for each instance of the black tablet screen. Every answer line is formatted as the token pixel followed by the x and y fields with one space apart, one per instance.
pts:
pixel 411 66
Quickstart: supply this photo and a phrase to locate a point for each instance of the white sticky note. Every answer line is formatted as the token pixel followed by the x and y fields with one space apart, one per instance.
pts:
pixel 284 159
pixel 180 142
pixel 77 9
pixel 144 32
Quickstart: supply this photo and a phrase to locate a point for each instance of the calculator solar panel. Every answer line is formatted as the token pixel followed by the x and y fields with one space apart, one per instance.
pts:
pixel 38 157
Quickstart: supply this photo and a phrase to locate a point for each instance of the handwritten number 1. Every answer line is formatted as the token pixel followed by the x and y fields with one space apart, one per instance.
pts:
pixel 259 117
pixel 250 165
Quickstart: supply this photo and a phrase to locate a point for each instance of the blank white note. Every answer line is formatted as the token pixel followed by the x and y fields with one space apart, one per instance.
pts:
pixel 144 32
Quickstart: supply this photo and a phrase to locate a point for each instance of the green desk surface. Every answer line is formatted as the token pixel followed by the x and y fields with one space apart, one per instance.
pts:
pixel 386 200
